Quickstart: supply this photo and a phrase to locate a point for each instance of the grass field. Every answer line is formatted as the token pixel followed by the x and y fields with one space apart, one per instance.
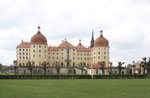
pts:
pixel 111 88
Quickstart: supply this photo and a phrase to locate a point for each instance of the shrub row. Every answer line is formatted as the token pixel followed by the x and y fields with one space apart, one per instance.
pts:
pixel 45 77
pixel 71 76
pixel 118 76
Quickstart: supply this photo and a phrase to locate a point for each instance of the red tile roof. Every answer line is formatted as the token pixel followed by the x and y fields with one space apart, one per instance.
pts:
pixel 66 44
pixel 84 49
pixel 24 45
pixel 137 67
pixel 97 66
pixel 52 48
pixel 79 46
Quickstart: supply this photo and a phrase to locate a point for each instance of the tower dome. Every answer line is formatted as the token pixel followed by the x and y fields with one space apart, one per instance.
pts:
pixel 38 38
pixel 101 41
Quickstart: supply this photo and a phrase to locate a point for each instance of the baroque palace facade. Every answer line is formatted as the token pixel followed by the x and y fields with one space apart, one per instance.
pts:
pixel 38 51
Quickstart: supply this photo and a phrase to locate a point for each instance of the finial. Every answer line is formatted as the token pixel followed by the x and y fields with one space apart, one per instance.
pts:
pixel 22 40
pixel 39 29
pixel 79 41
pixel 65 39
pixel 101 33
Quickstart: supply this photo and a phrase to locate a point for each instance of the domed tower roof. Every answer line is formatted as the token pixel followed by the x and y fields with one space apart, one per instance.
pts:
pixel 101 41
pixel 38 38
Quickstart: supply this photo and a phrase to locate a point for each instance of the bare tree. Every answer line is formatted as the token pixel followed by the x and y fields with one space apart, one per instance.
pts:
pixel 1 67
pixel 30 66
pixel 44 64
pixel 102 65
pixel 110 63
pixel 120 66
pixel 146 65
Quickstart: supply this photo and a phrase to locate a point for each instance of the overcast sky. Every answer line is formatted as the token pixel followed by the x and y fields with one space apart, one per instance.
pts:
pixel 125 23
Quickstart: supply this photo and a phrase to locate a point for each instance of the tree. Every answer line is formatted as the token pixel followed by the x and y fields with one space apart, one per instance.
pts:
pixel 57 66
pixel 102 65
pixel 30 66
pixel 15 66
pixel 82 65
pixel 1 67
pixel 120 66
pixel 44 64
pixel 110 63
pixel 146 65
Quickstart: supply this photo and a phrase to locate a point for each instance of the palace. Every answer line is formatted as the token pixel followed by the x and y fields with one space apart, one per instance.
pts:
pixel 38 51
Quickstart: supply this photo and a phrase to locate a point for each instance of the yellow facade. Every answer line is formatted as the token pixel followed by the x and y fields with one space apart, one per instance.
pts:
pixel 42 52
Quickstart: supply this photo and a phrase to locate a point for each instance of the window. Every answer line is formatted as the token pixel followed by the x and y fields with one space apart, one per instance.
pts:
pixel 33 55
pixel 45 51
pixel 78 58
pixel 104 57
pixel 98 52
pixel 99 48
pixel 62 58
pixel 57 53
pixel 39 51
pixel 33 50
pixel 44 46
pixel 84 54
pixel 45 56
pixel 104 52
pixel 33 46
pixel 57 58
pixel 26 53
pixel 48 53
pixel 23 49
pixel 26 58
pixel 81 58
pixel 61 49
pixel 73 58
pixel 81 54
pixel 78 54
pixel 98 57
pixel 19 49
pixel 53 58
pixel 61 53
pixel 53 53
pixel 84 58
pixel 104 48
pixel 39 46
pixel 49 57
pixel 26 49
pixel 88 58
pixel 73 49
pixel 39 55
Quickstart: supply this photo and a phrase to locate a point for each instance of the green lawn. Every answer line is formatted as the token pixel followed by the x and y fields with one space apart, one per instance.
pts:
pixel 111 88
